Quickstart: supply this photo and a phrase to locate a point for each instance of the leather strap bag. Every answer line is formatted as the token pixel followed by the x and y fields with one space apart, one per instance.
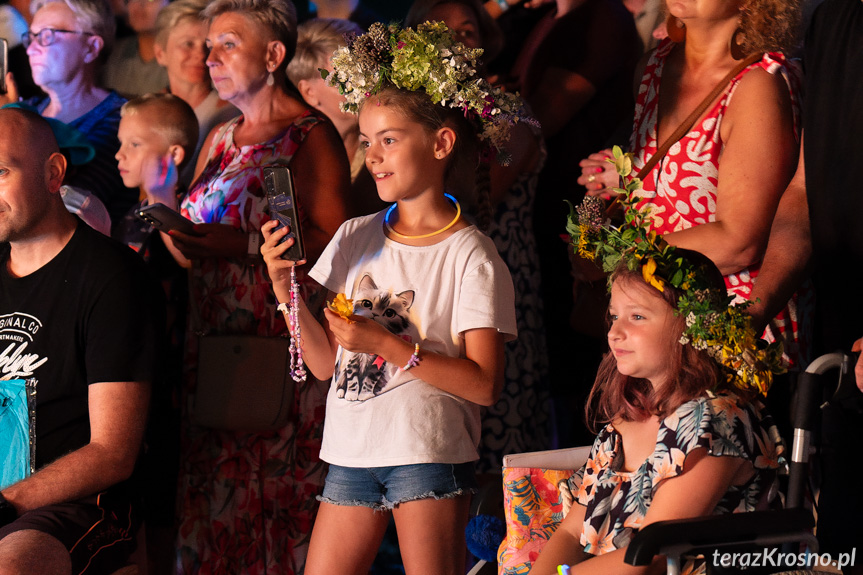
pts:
pixel 687 124
pixel 244 383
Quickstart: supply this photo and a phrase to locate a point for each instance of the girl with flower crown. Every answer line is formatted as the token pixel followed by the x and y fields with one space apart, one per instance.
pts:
pixel 423 305
pixel 677 439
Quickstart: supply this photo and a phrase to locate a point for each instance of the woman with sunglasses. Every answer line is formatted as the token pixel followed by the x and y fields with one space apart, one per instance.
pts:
pixel 67 42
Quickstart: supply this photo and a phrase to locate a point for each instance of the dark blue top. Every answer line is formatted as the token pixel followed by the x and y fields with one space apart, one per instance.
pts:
pixel 101 175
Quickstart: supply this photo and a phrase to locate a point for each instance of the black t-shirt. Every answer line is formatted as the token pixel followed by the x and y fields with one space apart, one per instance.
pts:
pixel 833 140
pixel 87 316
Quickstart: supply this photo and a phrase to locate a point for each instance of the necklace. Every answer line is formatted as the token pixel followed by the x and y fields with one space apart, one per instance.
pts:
pixel 419 237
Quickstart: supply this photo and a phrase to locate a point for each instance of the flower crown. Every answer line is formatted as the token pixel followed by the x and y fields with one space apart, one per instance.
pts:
pixel 428 59
pixel 712 323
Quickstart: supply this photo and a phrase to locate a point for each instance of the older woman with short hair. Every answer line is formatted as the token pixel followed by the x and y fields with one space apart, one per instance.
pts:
pixel 67 42
pixel 247 499
pixel 180 47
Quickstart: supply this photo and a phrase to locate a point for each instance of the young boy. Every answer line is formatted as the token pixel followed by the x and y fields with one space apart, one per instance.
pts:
pixel 153 128
pixel 156 129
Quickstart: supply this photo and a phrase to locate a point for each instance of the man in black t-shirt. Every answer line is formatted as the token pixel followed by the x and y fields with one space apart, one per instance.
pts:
pixel 76 314
pixel 818 229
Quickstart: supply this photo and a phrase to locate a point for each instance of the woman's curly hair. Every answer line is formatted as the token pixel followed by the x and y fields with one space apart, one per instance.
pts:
pixel 770 26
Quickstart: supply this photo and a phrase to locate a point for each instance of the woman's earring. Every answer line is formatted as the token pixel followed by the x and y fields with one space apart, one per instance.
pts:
pixel 737 40
pixel 270 79
pixel 676 29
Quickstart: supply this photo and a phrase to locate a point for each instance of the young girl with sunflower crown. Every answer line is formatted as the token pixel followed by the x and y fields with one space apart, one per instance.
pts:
pixel 681 433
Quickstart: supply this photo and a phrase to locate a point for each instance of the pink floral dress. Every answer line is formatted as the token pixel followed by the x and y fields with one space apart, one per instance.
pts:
pixel 680 191
pixel 247 500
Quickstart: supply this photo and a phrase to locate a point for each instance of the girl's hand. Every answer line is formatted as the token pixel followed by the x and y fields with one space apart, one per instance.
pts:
pixel 362 335
pixel 215 241
pixel 278 268
pixel 598 175
pixel 159 179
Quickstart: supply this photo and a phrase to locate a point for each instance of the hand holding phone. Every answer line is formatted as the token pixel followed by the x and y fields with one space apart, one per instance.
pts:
pixel 165 219
pixel 283 208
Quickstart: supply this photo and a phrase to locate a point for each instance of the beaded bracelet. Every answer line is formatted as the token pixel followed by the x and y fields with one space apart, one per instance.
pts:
pixel 414 360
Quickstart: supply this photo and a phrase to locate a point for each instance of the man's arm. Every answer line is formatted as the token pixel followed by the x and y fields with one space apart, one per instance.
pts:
pixel 787 260
pixel 118 417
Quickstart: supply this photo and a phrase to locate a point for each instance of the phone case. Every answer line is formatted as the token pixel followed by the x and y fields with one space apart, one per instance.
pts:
pixel 165 219
pixel 283 208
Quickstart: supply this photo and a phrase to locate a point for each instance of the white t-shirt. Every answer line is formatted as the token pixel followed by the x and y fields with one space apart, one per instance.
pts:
pixel 378 415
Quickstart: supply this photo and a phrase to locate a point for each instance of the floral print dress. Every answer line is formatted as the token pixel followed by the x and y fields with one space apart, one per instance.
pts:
pixel 680 191
pixel 723 424
pixel 247 499
pixel 521 419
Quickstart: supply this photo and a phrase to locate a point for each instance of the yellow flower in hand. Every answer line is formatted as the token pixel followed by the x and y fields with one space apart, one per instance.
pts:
pixel 342 306
pixel 647 273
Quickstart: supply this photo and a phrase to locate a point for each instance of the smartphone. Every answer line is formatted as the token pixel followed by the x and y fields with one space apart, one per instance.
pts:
pixel 165 219
pixel 4 63
pixel 283 208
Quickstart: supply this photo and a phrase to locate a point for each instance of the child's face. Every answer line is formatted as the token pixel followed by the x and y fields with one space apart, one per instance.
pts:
pixel 139 142
pixel 400 153
pixel 642 331
pixel 328 100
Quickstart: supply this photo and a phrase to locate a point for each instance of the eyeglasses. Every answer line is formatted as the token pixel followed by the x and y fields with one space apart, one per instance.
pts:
pixel 46 36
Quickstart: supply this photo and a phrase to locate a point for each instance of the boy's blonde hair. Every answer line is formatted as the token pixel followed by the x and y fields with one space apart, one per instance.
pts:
pixel 174 119
pixel 316 41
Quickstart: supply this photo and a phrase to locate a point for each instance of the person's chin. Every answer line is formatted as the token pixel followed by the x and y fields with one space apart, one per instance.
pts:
pixel 195 76
pixel 224 87
pixel 130 183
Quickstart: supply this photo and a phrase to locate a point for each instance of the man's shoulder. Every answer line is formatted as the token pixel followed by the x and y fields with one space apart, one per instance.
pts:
pixel 97 251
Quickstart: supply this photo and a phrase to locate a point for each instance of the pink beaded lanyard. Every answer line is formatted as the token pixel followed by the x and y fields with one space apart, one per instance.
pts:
pixel 291 310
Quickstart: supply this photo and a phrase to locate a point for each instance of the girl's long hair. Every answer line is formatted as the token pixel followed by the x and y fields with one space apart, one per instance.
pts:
pixel 691 371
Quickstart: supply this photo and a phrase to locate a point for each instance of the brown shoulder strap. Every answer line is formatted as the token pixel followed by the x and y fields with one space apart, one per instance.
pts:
pixel 687 124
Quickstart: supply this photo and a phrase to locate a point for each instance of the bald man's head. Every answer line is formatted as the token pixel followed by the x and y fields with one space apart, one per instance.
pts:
pixel 29 131
pixel 31 173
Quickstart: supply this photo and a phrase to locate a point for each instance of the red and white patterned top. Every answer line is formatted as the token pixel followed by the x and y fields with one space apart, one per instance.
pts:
pixel 680 191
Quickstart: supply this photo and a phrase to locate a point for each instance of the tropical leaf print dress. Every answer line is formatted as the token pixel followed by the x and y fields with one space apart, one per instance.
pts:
pixel 723 424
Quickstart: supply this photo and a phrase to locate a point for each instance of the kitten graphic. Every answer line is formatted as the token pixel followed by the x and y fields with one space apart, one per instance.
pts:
pixel 364 375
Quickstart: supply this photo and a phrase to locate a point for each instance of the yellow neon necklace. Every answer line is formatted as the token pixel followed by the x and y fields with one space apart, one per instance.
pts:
pixel 419 237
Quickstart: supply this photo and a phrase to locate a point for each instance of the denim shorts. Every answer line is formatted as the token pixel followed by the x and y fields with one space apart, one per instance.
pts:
pixel 382 488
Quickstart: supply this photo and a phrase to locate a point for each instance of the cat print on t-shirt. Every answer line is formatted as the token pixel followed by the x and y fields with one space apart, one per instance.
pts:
pixel 362 376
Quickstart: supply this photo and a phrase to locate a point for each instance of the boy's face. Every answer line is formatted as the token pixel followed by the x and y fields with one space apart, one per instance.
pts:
pixel 327 99
pixel 139 142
